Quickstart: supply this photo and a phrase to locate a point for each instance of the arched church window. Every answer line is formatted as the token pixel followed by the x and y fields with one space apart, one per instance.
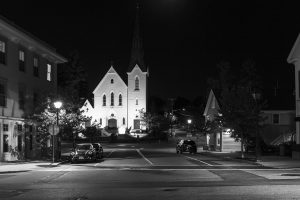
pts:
pixel 120 100
pixel 112 99
pixel 123 120
pixel 136 102
pixel 137 83
pixel 112 81
pixel 100 121
pixel 104 100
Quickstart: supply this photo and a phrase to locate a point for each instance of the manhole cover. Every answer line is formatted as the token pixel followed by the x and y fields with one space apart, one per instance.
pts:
pixel 170 189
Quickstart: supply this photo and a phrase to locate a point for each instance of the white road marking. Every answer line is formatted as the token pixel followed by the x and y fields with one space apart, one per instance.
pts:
pixel 198 160
pixel 144 157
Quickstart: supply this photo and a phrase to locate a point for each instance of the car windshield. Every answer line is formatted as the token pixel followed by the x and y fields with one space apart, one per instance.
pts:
pixel 95 145
pixel 189 142
pixel 83 147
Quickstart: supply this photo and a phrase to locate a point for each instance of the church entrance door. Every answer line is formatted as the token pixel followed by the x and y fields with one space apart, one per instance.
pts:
pixel 136 124
pixel 112 123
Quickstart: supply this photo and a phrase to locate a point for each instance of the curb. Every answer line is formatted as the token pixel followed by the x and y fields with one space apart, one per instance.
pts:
pixel 13 172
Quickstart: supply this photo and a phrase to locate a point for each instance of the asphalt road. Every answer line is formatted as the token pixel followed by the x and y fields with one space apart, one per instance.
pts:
pixel 137 171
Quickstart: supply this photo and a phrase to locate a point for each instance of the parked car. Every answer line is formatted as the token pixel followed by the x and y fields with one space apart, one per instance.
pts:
pixel 98 149
pixel 83 152
pixel 186 146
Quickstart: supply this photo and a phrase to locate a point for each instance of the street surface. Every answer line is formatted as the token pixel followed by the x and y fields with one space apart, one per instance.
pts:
pixel 145 171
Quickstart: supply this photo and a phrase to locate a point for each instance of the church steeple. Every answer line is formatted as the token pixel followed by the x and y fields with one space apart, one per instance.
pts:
pixel 137 52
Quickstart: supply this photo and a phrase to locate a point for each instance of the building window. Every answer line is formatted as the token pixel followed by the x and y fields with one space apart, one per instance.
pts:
pixel 136 102
pixel 120 100
pixel 2 93
pixel 123 120
pixel 104 100
pixel 112 99
pixel 5 127
pixel 100 121
pixel 36 67
pixel 112 81
pixel 49 72
pixel 2 52
pixel 5 143
pixel 21 60
pixel 137 83
pixel 21 98
pixel 20 127
pixel 19 142
pixel 275 118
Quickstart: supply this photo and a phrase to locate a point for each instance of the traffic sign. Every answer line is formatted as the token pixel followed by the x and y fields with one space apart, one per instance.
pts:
pixel 53 129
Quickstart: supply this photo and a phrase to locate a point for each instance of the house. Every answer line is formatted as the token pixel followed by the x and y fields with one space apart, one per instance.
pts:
pixel 220 140
pixel 118 104
pixel 294 58
pixel 279 116
pixel 28 68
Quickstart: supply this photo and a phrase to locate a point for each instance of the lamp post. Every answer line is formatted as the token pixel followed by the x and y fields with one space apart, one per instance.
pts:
pixel 256 97
pixel 57 105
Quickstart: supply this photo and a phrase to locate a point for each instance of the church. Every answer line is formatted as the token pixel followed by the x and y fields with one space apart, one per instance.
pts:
pixel 118 105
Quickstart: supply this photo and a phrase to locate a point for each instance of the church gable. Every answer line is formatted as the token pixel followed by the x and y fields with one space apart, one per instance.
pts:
pixel 212 105
pixel 110 80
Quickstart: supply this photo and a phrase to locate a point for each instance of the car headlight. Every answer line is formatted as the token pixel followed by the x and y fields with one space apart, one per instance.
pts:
pixel 73 153
pixel 90 153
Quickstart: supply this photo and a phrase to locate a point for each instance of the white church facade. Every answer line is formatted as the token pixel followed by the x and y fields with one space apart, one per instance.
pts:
pixel 118 105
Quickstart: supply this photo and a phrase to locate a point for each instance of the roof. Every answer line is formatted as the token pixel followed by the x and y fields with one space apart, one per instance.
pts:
pixel 283 99
pixel 295 52
pixel 16 34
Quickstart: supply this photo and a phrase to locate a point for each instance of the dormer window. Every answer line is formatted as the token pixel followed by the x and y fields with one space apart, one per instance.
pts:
pixel 111 81
pixel 137 83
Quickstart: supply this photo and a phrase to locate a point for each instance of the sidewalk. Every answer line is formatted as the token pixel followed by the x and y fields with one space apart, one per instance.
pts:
pixel 24 166
pixel 278 162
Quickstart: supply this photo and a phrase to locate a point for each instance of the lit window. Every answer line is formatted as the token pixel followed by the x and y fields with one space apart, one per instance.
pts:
pixel 120 100
pixel 275 118
pixel 112 99
pixel 21 60
pixel 137 83
pixel 104 100
pixel 2 93
pixel 2 52
pixel 48 72
pixel 35 67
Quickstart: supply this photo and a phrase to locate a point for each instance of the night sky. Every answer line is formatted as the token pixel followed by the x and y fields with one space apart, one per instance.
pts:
pixel 183 40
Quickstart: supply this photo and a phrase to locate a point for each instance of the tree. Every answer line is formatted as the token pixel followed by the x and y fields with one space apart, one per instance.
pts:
pixel 239 110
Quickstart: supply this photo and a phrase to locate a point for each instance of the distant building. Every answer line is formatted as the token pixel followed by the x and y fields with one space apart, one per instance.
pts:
pixel 279 116
pixel 117 105
pixel 220 140
pixel 294 58
pixel 28 68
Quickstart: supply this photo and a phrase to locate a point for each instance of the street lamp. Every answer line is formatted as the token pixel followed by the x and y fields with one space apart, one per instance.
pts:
pixel 256 97
pixel 57 105
pixel 189 121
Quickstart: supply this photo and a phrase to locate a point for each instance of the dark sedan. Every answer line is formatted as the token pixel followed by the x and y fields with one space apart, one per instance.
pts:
pixel 83 152
pixel 99 150
pixel 186 146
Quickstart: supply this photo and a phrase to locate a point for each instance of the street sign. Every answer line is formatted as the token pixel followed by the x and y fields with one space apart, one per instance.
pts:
pixel 53 129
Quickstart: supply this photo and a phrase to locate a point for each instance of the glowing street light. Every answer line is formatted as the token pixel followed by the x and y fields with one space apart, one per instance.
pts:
pixel 57 105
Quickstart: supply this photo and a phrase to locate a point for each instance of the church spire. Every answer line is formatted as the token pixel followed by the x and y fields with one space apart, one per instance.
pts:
pixel 137 53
